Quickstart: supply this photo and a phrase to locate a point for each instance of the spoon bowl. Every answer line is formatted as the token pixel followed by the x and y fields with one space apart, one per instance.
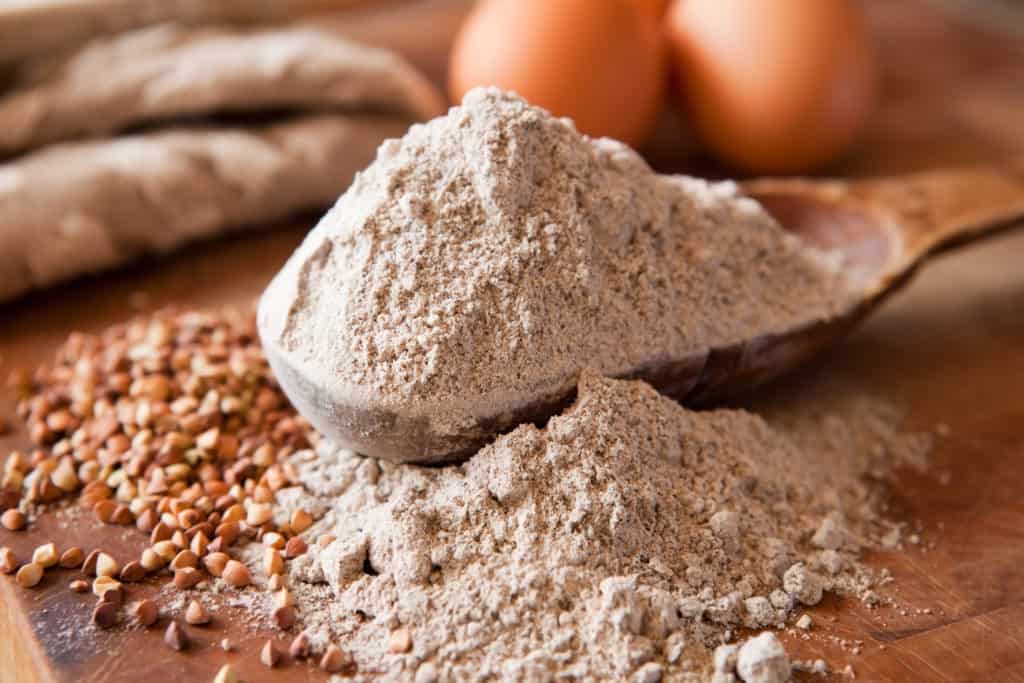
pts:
pixel 882 230
pixel 826 222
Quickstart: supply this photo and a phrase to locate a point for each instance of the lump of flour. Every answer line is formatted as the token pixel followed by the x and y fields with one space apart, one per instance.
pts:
pixel 485 258
pixel 761 659
pixel 626 538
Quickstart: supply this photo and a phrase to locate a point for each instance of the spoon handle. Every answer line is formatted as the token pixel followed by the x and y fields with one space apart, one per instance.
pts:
pixel 885 227
pixel 938 210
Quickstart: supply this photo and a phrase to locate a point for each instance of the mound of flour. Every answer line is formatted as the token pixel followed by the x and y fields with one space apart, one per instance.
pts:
pixel 628 537
pixel 489 255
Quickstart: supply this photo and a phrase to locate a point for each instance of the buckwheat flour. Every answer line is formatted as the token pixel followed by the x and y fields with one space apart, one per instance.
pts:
pixel 485 258
pixel 627 538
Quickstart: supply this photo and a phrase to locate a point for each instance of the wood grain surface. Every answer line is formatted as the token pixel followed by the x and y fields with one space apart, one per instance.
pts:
pixel 949 349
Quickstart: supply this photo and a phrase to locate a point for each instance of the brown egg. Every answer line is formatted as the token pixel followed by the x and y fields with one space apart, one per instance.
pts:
pixel 773 85
pixel 655 7
pixel 600 62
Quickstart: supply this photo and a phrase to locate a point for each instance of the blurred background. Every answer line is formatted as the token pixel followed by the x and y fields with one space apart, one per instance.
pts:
pixel 133 127
pixel 175 152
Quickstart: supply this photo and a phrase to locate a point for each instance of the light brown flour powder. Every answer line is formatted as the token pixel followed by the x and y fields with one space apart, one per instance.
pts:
pixel 627 538
pixel 485 258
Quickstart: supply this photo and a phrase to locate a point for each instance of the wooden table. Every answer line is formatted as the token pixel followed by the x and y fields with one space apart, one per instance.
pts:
pixel 950 349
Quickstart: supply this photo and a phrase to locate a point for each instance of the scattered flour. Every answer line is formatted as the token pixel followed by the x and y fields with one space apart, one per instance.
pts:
pixel 626 539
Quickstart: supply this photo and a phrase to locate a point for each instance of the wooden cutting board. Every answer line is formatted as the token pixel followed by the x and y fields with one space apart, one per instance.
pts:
pixel 949 349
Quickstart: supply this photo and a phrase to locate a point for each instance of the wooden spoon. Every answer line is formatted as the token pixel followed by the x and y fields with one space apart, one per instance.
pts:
pixel 883 229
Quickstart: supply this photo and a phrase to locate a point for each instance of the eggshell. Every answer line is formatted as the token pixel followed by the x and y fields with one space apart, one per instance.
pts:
pixel 602 63
pixel 773 85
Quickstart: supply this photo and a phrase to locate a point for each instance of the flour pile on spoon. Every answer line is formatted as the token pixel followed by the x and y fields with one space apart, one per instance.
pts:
pixel 489 255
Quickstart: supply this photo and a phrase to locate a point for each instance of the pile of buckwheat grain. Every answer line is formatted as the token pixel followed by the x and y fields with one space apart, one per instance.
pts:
pixel 172 424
